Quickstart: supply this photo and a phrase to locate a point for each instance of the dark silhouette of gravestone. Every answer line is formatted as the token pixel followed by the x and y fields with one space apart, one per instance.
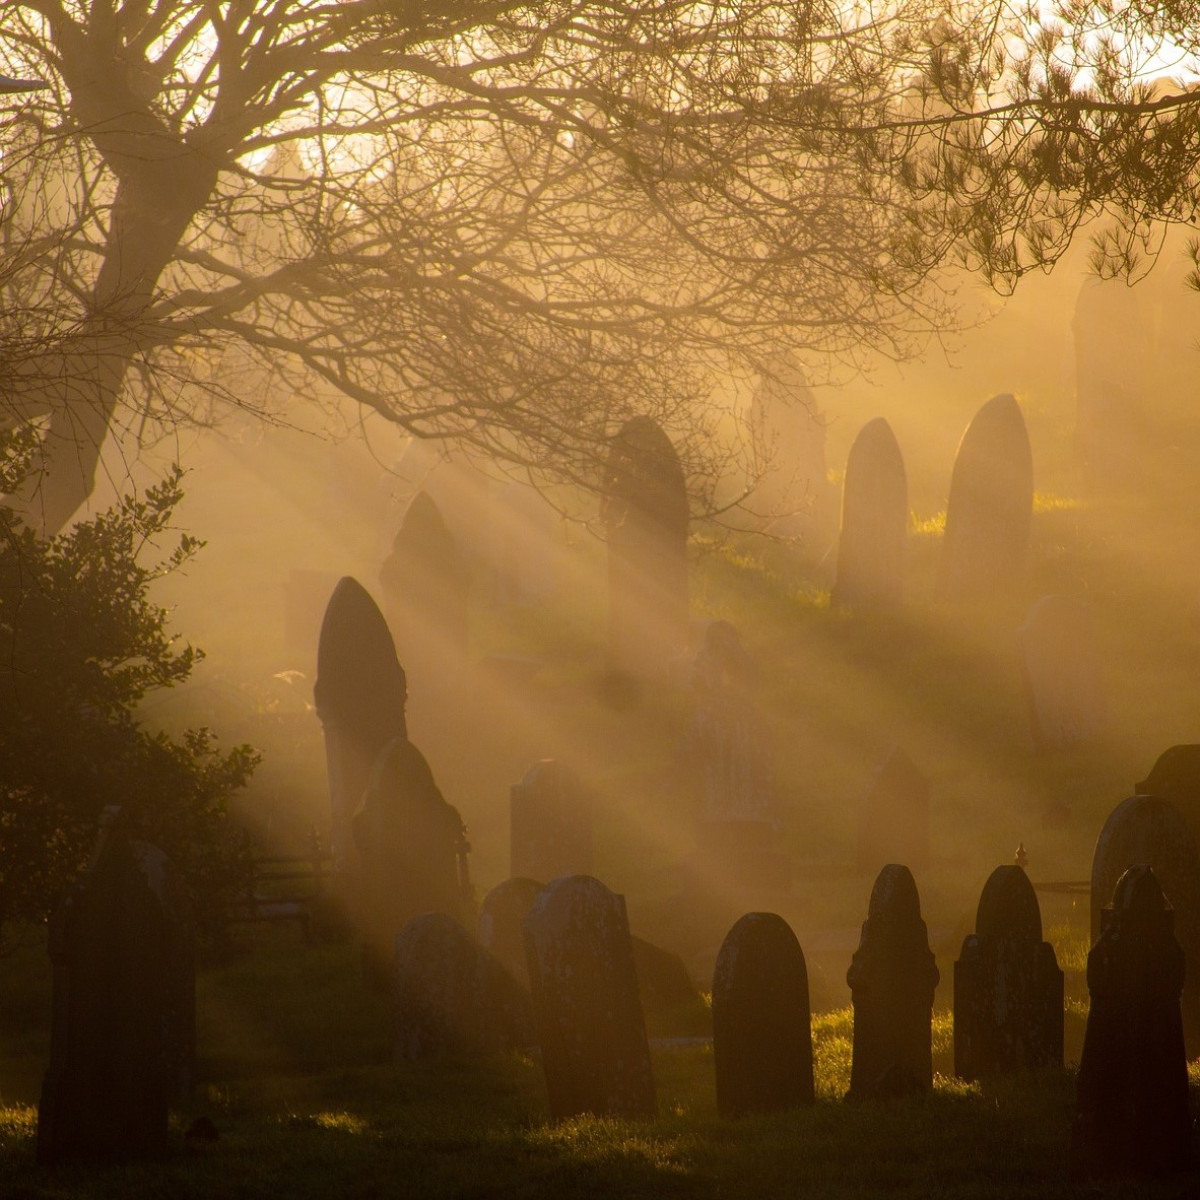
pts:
pixel 412 847
pixel 645 514
pixel 502 914
pixel 1008 990
pixel 762 1025
pixel 893 817
pixel 1175 776
pixel 1151 831
pixel 360 695
pixel 892 978
pixel 114 1042
pixel 451 997
pixel 1132 1099
pixel 989 513
pixel 585 1001
pixel 870 564
pixel 1060 664
pixel 550 823
pixel 665 988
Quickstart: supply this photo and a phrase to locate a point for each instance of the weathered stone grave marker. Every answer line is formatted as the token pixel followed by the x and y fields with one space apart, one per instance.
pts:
pixel 550 823
pixel 1175 776
pixel 892 978
pixel 502 914
pixel 893 817
pixel 762 1025
pixel 989 513
pixel 1132 1099
pixel 870 564
pixel 1008 990
pixel 585 1002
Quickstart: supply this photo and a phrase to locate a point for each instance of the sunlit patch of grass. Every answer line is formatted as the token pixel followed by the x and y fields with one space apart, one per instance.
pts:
pixel 1045 502
pixel 1071 946
pixel 18 1123
pixel 340 1122
pixel 833 1051
pixel 927 527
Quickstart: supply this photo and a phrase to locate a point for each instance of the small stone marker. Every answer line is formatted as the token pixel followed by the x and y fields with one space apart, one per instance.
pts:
pixel 989 513
pixel 893 817
pixel 116 996
pixel 585 1002
pixel 360 695
pixel 1008 990
pixel 1060 664
pixel 550 823
pixel 645 513
pixel 1132 1101
pixel 870 564
pixel 762 1025
pixel 892 978
pixel 502 915
pixel 1151 831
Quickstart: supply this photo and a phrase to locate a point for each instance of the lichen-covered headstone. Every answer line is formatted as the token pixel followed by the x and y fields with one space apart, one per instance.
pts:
pixel 1132 1098
pixel 113 1063
pixel 1151 831
pixel 585 1000
pixel 893 816
pixel 892 978
pixel 1064 683
pixel 500 925
pixel 360 695
pixel 550 823
pixel 1008 989
pixel 645 514
pixel 451 997
pixel 762 1025
pixel 989 513
pixel 870 564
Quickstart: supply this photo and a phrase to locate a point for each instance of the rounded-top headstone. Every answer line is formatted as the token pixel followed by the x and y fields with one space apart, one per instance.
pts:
pixel 1008 907
pixel 894 898
pixel 644 473
pixel 501 916
pixel 1175 776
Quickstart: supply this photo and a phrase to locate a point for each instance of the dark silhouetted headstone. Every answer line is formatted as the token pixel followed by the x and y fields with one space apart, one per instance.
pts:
pixel 451 997
pixel 360 695
pixel 665 988
pixel 500 925
pixel 989 514
pixel 645 515
pixel 1132 1107
pixel 870 565
pixel 1151 831
pixel 892 978
pixel 585 1001
pixel 1008 990
pixel 114 1046
pixel 762 1025
pixel 1060 664
pixel 893 817
pixel 1175 776
pixel 550 823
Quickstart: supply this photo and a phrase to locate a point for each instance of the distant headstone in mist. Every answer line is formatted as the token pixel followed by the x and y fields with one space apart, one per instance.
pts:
pixel 892 978
pixel 1008 989
pixel 1175 776
pixel 645 512
pixel 762 1025
pixel 870 564
pixel 989 513
pixel 550 823
pixel 1064 683
pixel 787 434
pixel 360 695
pixel 893 816
pixel 500 924
pixel 585 1000
pixel 1132 1092
pixel 1151 831
pixel 121 1007
pixel 451 997
pixel 411 847
pixel 665 988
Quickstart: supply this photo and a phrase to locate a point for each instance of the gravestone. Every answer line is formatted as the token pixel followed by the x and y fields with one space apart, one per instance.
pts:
pixel 762 1026
pixel 1008 990
pixel 665 988
pixel 1175 776
pixel 870 563
pixel 1151 831
pixel 989 513
pixel 412 847
pixel 502 914
pixel 585 1002
pixel 1060 666
pixel 893 816
pixel 550 823
pixel 115 1021
pixel 645 514
pixel 360 695
pixel 892 978
pixel 451 997
pixel 1132 1092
